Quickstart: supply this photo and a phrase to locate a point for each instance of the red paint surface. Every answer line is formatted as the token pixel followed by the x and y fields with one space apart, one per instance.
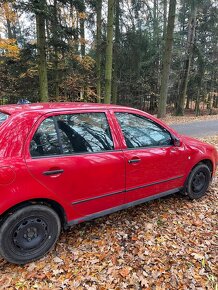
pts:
pixel 89 175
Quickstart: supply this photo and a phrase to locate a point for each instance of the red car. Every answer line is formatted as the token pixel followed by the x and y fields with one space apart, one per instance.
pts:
pixel 62 164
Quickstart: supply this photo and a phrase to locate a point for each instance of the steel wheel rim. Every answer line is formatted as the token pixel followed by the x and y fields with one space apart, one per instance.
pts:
pixel 30 234
pixel 198 182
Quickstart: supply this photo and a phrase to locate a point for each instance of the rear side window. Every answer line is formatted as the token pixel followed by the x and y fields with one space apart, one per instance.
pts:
pixel 45 140
pixel 3 117
pixel 72 133
pixel 85 132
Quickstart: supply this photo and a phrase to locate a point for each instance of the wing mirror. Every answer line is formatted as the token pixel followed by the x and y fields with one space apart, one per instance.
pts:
pixel 176 141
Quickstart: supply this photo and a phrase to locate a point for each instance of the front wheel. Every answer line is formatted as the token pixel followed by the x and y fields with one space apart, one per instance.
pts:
pixel 198 181
pixel 29 233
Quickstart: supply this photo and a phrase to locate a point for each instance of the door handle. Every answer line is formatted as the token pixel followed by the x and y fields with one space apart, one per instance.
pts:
pixel 134 160
pixel 53 172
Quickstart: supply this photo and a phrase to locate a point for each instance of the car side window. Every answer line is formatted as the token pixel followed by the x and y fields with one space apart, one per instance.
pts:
pixel 84 132
pixel 3 117
pixel 139 131
pixel 45 140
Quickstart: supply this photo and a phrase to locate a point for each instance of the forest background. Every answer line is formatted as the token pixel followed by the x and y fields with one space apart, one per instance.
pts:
pixel 159 56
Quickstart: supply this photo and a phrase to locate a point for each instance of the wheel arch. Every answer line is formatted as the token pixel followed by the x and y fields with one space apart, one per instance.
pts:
pixel 37 201
pixel 207 162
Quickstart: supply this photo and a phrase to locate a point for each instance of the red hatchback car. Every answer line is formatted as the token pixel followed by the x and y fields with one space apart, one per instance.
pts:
pixel 62 164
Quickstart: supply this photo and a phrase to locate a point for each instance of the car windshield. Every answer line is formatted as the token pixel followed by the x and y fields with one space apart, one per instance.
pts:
pixel 3 117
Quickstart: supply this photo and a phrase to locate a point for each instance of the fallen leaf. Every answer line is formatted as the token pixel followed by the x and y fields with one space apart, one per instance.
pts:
pixel 124 272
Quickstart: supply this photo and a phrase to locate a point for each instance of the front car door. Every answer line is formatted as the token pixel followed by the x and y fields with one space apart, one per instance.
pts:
pixel 75 156
pixel 153 164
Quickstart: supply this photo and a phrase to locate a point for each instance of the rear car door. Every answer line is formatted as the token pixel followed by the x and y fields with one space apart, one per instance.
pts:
pixel 76 156
pixel 153 164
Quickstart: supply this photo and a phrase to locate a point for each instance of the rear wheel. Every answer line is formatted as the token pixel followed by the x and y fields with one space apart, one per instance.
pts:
pixel 198 181
pixel 29 233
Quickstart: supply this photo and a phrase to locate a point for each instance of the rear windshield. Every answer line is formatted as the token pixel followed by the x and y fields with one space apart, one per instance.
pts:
pixel 3 117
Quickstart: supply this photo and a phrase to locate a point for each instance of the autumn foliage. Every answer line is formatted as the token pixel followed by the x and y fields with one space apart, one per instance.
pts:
pixel 9 48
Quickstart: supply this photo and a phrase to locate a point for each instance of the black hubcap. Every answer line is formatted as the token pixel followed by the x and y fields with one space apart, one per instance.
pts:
pixel 198 182
pixel 30 234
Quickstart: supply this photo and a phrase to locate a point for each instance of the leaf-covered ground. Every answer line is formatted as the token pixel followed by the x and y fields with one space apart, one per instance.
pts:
pixel 170 243
pixel 170 119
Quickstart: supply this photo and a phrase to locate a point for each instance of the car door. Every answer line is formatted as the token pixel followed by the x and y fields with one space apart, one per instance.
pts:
pixel 153 164
pixel 75 155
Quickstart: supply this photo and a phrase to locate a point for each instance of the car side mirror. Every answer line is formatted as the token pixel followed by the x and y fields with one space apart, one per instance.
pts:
pixel 176 142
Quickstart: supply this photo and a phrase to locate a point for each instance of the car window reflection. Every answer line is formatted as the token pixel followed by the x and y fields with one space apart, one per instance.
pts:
pixel 3 117
pixel 86 132
pixel 141 132
pixel 45 141
pixel 77 133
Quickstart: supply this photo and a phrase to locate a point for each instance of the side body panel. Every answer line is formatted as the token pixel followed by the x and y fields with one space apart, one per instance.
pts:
pixel 157 169
pixel 89 182
pixel 24 188
pixel 99 183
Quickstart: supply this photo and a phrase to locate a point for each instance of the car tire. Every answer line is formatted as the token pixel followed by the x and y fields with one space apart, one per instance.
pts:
pixel 29 233
pixel 198 181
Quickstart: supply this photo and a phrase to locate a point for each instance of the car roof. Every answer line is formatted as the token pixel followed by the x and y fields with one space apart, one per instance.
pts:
pixel 44 108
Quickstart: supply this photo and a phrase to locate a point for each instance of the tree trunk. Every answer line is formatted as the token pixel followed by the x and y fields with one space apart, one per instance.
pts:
pixel 164 19
pixel 109 51
pixel 201 69
pixel 155 21
pixel 208 101
pixel 156 45
pixel 216 102
pixel 42 67
pixel 77 33
pixel 183 44
pixel 187 62
pixel 74 40
pixel 7 12
pixel 55 39
pixel 167 60
pixel 82 37
pixel 82 31
pixel 116 49
pixel 9 29
pixel 187 102
pixel 197 108
pixel 98 49
pixel 56 76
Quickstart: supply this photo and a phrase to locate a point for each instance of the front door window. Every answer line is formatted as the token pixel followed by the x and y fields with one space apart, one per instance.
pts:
pixel 141 132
